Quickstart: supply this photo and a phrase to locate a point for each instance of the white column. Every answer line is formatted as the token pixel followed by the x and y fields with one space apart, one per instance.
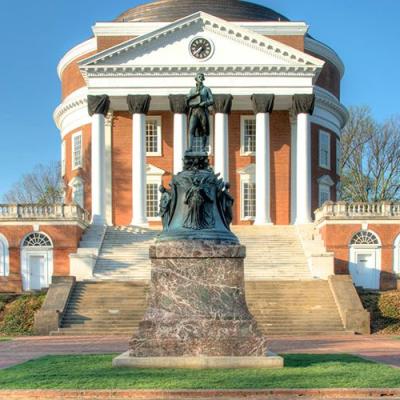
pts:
pixel 180 140
pixel 263 105
pixel 303 107
pixel 108 167
pixel 303 170
pixel 221 140
pixel 98 107
pixel 263 170
pixel 98 169
pixel 139 170
pixel 293 169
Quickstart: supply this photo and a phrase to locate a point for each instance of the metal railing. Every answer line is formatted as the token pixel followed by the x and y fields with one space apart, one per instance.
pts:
pixel 43 212
pixel 343 209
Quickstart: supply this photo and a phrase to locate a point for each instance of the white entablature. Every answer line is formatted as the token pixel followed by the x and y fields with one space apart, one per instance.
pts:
pixel 161 61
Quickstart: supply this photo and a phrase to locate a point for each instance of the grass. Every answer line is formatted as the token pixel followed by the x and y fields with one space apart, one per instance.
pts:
pixel 5 339
pixel 302 371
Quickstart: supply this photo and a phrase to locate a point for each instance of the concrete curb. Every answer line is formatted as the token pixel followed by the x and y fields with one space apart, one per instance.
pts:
pixel 254 394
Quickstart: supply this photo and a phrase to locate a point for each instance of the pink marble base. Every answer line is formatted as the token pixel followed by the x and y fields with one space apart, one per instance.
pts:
pixel 197 304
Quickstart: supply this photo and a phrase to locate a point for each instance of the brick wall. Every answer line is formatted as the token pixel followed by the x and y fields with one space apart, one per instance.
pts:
pixel 85 171
pixel 316 170
pixel 65 240
pixel 337 239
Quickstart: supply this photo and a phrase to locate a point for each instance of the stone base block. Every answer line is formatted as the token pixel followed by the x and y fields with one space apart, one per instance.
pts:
pixel 269 361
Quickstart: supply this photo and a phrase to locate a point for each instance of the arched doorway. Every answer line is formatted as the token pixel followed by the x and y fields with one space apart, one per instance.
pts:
pixel 36 261
pixel 365 259
pixel 4 257
pixel 396 256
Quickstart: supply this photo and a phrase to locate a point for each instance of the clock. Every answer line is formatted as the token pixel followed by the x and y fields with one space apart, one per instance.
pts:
pixel 201 48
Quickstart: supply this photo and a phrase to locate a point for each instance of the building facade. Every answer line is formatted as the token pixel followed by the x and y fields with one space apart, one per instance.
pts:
pixel 275 136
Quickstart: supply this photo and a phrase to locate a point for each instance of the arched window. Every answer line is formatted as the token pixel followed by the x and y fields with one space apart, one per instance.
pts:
pixel 4 257
pixel 37 239
pixel 36 261
pixel 364 238
pixel 365 259
pixel 396 256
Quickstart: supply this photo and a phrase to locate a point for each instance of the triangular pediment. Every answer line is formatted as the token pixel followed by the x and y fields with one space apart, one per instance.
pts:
pixel 233 48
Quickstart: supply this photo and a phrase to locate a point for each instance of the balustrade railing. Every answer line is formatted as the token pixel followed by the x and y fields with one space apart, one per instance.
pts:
pixel 35 211
pixel 343 209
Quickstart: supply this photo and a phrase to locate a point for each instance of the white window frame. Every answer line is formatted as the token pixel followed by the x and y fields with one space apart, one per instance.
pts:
pixel 158 120
pixel 76 165
pixel 338 155
pixel 63 158
pixel 4 257
pixel 243 118
pixel 247 175
pixel 323 189
pixel 328 136
pixel 74 184
pixel 154 176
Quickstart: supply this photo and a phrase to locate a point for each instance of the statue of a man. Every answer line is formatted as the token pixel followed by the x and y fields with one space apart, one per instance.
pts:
pixel 198 100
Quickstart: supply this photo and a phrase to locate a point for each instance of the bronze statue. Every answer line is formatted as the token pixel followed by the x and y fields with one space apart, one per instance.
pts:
pixel 165 206
pixel 226 201
pixel 198 216
pixel 198 101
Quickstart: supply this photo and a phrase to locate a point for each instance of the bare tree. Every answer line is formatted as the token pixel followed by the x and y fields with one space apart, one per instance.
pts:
pixel 370 158
pixel 41 186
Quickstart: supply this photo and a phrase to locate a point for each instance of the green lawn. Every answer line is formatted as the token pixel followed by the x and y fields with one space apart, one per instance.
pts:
pixel 5 339
pixel 301 371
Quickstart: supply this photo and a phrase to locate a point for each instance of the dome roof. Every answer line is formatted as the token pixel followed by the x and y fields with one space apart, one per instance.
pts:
pixel 171 10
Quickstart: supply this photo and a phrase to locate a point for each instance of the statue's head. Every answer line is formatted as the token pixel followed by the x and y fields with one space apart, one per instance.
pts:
pixel 227 185
pixel 200 77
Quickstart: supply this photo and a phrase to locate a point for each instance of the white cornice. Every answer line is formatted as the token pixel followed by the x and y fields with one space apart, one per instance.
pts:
pixel 76 52
pixel 327 101
pixel 141 28
pixel 326 52
pixel 262 43
pixel 190 70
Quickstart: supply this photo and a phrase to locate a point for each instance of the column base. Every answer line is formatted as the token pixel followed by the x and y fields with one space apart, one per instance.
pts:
pixel 140 224
pixel 303 221
pixel 263 222
pixel 98 220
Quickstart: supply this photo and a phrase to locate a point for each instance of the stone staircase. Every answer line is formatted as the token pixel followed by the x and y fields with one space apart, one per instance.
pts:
pixel 281 291
pixel 294 307
pixel 273 253
pixel 104 308
pixel 124 254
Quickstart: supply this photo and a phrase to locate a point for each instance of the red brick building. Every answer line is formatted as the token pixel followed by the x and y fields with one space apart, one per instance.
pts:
pixel 275 136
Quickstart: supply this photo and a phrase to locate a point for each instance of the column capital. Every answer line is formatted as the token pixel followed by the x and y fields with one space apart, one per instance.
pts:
pixel 263 103
pixel 223 103
pixel 138 103
pixel 303 103
pixel 98 104
pixel 178 104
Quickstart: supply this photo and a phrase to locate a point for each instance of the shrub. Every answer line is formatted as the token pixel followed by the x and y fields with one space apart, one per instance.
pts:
pixel 18 315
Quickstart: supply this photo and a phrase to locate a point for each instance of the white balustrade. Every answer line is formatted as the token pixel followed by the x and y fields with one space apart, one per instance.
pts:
pixel 343 210
pixel 42 212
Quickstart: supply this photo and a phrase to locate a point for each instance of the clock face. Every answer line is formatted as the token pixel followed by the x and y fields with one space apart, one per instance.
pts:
pixel 201 48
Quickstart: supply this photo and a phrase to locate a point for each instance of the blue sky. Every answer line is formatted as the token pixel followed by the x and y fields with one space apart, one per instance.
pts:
pixel 36 34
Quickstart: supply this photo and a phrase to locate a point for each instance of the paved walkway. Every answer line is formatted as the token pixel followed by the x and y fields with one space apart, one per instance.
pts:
pixel 378 348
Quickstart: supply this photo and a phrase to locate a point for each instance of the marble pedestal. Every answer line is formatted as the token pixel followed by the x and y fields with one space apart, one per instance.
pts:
pixel 197 315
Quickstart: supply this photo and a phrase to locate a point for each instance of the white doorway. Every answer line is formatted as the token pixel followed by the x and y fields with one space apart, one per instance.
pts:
pixel 365 260
pixel 36 261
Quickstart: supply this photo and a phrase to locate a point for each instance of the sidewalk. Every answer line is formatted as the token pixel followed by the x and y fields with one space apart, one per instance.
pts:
pixel 377 348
